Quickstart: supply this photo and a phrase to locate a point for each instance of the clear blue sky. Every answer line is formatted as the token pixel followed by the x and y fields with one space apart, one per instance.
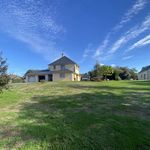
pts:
pixel 33 33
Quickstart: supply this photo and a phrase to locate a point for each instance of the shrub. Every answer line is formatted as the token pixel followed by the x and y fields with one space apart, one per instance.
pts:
pixel 4 77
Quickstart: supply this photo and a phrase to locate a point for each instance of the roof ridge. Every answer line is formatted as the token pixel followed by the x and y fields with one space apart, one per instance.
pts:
pixel 145 68
pixel 63 60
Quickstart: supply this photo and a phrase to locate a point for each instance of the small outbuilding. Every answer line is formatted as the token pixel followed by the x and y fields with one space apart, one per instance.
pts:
pixel 144 74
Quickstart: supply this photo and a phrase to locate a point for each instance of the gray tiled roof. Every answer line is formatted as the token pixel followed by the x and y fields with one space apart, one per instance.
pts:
pixel 145 68
pixel 63 61
pixel 38 72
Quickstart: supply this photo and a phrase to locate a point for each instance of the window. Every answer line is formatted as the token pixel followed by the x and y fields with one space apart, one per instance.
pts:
pixel 62 67
pixel 62 75
pixel 54 67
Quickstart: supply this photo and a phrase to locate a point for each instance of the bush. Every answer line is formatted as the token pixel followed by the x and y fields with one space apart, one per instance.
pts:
pixel 97 79
pixel 16 79
pixel 4 77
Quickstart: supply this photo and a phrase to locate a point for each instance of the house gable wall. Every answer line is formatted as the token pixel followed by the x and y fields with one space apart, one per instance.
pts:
pixel 55 68
pixel 71 67
pixel 145 75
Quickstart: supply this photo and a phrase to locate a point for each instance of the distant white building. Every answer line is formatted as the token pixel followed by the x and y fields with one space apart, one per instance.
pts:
pixel 144 74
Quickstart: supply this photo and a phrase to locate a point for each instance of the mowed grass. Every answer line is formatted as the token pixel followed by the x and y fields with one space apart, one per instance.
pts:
pixel 76 116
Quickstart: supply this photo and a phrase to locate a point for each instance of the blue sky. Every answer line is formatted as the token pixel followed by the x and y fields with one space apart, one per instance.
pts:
pixel 34 33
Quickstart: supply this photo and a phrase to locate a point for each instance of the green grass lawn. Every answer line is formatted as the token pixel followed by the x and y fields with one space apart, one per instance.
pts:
pixel 76 116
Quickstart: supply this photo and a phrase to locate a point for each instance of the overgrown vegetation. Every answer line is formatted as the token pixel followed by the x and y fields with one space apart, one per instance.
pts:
pixel 4 77
pixel 76 116
pixel 16 79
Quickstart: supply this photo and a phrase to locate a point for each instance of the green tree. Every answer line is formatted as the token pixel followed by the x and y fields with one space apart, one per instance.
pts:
pixel 106 71
pixel 125 74
pixel 4 77
pixel 133 73
pixel 97 70
pixel 116 73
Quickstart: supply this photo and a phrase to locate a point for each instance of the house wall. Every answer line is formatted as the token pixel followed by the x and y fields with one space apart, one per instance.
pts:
pixel 79 78
pixel 32 78
pixel 73 68
pixel 77 69
pixel 141 75
pixel 70 67
pixel 76 77
pixel 26 79
pixel 35 78
pixel 57 68
pixel 146 73
pixel 50 68
pixel 68 77
pixel 46 77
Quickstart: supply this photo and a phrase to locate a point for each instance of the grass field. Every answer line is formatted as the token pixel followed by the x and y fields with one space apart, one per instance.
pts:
pixel 76 116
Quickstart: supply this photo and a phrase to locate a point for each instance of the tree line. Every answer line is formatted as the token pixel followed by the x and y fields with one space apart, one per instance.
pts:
pixel 104 72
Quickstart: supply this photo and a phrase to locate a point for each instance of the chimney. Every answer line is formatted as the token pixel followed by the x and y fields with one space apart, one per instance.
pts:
pixel 62 54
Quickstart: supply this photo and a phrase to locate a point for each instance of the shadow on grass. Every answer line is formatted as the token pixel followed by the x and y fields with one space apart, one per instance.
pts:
pixel 83 121
pixel 136 84
pixel 140 83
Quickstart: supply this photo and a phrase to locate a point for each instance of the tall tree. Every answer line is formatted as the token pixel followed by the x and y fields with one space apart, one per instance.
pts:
pixel 97 69
pixel 125 74
pixel 116 73
pixel 133 73
pixel 106 71
pixel 4 77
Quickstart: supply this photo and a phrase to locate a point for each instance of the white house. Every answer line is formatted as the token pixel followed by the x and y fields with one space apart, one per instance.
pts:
pixel 63 69
pixel 144 74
